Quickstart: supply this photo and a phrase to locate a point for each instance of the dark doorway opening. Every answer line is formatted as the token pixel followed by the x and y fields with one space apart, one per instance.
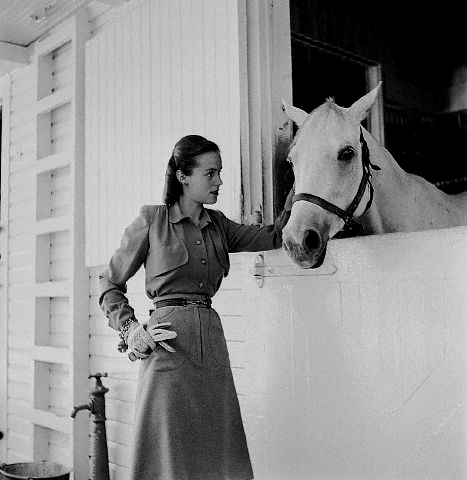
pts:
pixel 318 74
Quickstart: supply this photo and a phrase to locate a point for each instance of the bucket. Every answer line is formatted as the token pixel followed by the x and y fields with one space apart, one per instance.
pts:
pixel 35 471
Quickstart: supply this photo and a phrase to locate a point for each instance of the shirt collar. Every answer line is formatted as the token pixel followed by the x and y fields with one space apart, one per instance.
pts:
pixel 176 215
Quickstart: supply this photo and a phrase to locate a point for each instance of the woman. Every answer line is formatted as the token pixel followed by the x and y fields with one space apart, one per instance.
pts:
pixel 187 424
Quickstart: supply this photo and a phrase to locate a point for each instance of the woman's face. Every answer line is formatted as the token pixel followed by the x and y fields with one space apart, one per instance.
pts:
pixel 202 186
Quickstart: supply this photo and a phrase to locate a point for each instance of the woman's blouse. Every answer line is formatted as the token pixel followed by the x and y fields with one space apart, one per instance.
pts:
pixel 179 256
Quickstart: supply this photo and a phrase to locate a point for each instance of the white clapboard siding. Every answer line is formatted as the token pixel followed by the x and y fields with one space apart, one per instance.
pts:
pixel 159 71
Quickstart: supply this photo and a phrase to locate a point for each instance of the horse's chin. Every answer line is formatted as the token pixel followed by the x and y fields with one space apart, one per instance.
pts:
pixel 307 259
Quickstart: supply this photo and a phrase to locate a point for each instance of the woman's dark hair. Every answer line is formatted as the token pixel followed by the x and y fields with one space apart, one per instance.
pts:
pixel 183 159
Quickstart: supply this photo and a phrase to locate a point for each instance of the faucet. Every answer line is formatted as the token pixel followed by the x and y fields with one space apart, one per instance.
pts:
pixel 85 406
pixel 96 405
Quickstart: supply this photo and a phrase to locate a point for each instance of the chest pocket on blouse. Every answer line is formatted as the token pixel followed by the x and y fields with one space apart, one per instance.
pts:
pixel 221 254
pixel 164 258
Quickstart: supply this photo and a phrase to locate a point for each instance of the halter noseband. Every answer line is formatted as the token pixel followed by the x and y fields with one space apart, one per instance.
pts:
pixel 347 215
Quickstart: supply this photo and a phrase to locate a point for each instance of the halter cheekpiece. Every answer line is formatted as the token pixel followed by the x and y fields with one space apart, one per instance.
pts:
pixel 347 215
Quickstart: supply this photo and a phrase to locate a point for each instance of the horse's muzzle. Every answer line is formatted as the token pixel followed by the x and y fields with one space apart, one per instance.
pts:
pixel 309 252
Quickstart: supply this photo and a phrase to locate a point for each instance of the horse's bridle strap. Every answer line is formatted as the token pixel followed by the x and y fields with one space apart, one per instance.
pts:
pixel 347 215
pixel 321 202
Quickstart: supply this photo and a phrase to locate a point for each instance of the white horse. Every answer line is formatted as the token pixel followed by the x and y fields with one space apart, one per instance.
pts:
pixel 344 177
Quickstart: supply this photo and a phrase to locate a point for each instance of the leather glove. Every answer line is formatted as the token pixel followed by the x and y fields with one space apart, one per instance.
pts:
pixel 159 334
pixel 139 341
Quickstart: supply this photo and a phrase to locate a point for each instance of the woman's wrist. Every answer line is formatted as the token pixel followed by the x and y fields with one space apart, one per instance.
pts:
pixel 127 325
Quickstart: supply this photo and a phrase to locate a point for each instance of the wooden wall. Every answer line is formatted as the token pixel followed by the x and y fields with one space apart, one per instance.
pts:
pixel 159 71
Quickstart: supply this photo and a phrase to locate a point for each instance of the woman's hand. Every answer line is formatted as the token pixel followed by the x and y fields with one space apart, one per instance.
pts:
pixel 159 334
pixel 139 341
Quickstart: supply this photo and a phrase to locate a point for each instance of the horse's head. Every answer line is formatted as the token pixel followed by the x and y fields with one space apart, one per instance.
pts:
pixel 331 172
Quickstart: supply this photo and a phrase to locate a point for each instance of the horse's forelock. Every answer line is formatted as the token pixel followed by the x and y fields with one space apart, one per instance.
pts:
pixel 321 112
pixel 326 108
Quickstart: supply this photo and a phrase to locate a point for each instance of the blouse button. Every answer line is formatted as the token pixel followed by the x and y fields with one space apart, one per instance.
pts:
pixel 198 242
pixel 203 261
pixel 200 284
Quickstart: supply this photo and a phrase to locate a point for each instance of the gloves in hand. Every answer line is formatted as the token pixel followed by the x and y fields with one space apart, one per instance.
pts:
pixel 139 341
pixel 159 334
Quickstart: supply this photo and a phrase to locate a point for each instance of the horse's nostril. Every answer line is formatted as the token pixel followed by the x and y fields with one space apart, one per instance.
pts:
pixel 312 240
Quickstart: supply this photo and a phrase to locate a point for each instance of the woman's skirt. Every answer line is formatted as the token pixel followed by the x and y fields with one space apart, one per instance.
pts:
pixel 188 424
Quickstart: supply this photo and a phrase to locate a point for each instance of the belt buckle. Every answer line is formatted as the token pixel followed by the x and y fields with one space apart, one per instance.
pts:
pixel 206 303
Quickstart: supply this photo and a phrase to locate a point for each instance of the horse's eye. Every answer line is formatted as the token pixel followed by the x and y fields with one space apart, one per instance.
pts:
pixel 346 154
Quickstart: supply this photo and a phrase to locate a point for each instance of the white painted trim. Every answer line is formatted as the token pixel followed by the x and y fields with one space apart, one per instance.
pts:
pixel 374 76
pixel 52 162
pixel 281 89
pixel 79 299
pixel 48 420
pixel 14 53
pixel 264 32
pixel 5 95
pixel 51 355
pixel 112 14
pixel 54 100
pixel 75 357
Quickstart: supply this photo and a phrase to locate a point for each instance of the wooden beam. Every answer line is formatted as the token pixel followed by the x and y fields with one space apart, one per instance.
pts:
pixel 14 53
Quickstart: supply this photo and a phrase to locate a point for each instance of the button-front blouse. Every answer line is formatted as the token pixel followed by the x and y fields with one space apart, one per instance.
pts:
pixel 179 256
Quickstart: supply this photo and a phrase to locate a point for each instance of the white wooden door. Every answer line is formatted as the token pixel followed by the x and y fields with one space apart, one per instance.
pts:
pixel 357 369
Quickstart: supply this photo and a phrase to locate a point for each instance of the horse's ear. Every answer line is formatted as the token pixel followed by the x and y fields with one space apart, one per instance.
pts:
pixel 295 114
pixel 361 108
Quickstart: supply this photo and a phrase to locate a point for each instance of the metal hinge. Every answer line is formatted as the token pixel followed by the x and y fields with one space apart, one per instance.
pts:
pixel 258 270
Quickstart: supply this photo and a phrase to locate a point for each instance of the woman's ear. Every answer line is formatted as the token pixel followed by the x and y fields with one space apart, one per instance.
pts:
pixel 181 176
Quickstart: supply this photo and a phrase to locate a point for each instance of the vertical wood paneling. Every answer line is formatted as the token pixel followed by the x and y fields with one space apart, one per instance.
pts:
pixel 160 71
pixel 5 99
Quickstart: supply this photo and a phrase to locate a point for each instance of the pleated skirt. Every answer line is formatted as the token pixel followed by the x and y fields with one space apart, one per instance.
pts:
pixel 188 424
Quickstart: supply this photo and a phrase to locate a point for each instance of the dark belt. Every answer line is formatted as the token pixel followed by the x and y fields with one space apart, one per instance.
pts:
pixel 182 302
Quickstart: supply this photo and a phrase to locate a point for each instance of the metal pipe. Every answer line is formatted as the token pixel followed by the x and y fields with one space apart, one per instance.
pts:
pixel 96 405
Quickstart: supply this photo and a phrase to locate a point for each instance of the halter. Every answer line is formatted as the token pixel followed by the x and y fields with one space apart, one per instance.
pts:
pixel 347 215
